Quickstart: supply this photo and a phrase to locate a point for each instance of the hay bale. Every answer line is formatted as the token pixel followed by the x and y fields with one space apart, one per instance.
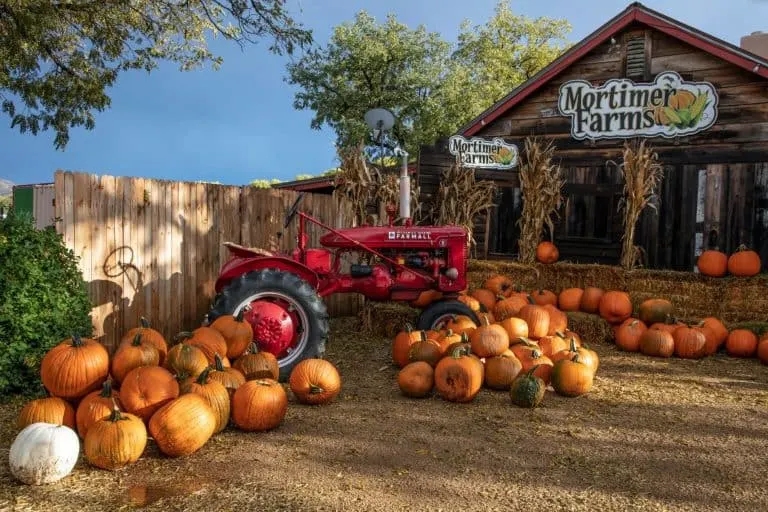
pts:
pixel 591 328
pixel 695 296
pixel 386 318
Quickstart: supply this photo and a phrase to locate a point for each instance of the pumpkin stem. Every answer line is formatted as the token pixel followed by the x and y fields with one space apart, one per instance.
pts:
pixel 144 323
pixel 573 344
pixel 203 377
pixel 106 389
pixel 314 390
pixel 408 328
pixel 460 351
pixel 115 416
pixel 183 335
pixel 218 362
pixel 533 369
pixel 487 322
pixel 561 334
pixel 77 341
pixel 252 348
pixel 449 332
pixel 500 297
pixel 575 358
pixel 530 299
pixel 136 340
pixel 535 354
pixel 239 317
pixel 423 335
pixel 464 337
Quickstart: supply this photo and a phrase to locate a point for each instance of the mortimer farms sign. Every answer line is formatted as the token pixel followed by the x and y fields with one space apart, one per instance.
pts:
pixel 668 107
pixel 483 153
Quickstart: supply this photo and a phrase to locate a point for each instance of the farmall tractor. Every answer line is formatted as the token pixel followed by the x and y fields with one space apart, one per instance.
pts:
pixel 281 294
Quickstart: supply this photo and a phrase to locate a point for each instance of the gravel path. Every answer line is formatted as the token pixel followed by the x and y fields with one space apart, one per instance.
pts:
pixel 653 435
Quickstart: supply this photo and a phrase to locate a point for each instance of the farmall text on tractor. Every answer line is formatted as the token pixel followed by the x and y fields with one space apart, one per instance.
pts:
pixel 281 294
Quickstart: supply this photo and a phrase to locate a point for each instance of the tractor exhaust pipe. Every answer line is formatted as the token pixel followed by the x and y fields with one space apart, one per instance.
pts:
pixel 405 189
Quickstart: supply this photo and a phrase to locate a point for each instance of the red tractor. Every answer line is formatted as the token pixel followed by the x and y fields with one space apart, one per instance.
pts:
pixel 281 293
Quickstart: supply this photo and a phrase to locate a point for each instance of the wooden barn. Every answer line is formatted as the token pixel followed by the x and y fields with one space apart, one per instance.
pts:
pixel 638 75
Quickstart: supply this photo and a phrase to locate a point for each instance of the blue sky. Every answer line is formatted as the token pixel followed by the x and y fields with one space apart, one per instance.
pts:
pixel 238 124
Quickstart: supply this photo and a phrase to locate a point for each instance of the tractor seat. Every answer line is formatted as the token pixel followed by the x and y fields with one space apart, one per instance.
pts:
pixel 247 251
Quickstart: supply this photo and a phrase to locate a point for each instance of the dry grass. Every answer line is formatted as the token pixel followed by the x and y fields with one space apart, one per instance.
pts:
pixel 387 191
pixel 541 186
pixel 642 173
pixel 653 435
pixel 460 198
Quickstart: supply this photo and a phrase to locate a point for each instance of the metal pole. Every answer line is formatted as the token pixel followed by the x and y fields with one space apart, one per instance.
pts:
pixel 405 189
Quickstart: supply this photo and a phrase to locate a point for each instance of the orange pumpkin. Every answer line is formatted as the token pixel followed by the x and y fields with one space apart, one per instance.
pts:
pixel 215 394
pixel 558 321
pixel 657 343
pixel 572 377
pixel 425 350
pixel 499 285
pixel 148 335
pixel 547 252
pixel 485 297
pixel 544 297
pixel 446 339
pixel 471 302
pixel 185 360
pixel 718 328
pixel 230 378
pixel 515 327
pixel 628 334
pixel 115 441
pixel 146 389
pixel 508 307
pixel 461 324
pixel 208 340
pixel 501 370
pixel 570 299
pixel 236 331
pixel 586 355
pixel 521 346
pixel 762 350
pixel 711 340
pixel 315 381
pixel 653 311
pixel 401 347
pixel 75 367
pixel 462 343
pixel 551 345
pixel 489 340
pixel 741 343
pixel 535 358
pixel 47 410
pixel 459 376
pixel 712 263
pixel 259 405
pixel 132 356
pixel 416 380
pixel 255 364
pixel 183 425
pixel 537 319
pixel 590 300
pixel 95 406
pixel 689 343
pixel 615 307
pixel 744 262
pixel 426 298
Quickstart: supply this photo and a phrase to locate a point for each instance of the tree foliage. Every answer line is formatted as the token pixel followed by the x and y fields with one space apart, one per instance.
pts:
pixel 432 86
pixel 43 300
pixel 60 57
pixel 366 64
pixel 265 183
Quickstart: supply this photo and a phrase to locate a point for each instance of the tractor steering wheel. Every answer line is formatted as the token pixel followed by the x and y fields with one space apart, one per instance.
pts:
pixel 292 211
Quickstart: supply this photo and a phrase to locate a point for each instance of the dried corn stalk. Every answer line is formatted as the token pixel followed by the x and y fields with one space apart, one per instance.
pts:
pixel 356 183
pixel 541 186
pixel 460 198
pixel 642 173
pixel 388 192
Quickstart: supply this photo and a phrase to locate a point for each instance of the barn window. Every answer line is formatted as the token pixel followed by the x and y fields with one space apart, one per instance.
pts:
pixel 635 61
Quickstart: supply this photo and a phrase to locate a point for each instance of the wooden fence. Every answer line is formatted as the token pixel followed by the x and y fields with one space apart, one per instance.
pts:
pixel 154 248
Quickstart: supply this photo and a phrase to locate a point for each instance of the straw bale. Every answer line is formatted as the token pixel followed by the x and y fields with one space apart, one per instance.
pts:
pixel 591 328
pixel 386 318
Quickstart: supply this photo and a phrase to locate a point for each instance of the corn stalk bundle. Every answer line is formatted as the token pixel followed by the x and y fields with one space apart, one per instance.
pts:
pixel 642 173
pixel 356 183
pixel 541 186
pixel 460 197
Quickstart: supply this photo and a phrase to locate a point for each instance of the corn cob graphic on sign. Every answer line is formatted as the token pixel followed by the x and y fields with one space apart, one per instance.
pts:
pixel 667 107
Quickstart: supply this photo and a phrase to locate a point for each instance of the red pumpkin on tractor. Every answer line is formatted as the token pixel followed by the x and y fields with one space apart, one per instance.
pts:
pixel 282 293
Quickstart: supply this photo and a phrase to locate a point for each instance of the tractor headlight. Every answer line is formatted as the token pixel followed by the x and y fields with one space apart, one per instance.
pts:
pixel 452 273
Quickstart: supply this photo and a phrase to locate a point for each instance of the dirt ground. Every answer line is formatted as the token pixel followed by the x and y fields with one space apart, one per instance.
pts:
pixel 653 435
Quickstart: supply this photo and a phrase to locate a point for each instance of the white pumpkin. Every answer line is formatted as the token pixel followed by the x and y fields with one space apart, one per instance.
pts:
pixel 43 453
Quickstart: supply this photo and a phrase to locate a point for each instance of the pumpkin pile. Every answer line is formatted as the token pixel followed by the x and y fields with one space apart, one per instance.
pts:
pixel 742 263
pixel 179 396
pixel 522 345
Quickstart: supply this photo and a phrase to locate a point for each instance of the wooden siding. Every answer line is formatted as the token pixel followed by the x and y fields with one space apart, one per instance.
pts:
pixel 154 248
pixel 715 188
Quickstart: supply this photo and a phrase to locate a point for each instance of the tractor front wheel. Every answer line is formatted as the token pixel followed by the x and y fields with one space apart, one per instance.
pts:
pixel 440 312
pixel 288 318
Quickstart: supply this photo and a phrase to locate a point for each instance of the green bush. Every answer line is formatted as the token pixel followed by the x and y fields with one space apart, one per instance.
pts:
pixel 43 300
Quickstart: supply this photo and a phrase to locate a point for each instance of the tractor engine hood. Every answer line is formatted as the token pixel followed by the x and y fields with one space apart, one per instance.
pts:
pixel 394 237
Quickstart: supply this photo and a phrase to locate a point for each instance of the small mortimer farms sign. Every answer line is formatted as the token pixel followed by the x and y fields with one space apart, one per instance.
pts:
pixel 667 107
pixel 483 153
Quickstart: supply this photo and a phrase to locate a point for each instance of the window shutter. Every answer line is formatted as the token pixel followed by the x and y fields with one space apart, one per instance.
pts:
pixel 635 61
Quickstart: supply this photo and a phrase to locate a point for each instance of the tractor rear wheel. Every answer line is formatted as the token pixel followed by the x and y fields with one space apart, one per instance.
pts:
pixel 441 311
pixel 288 317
